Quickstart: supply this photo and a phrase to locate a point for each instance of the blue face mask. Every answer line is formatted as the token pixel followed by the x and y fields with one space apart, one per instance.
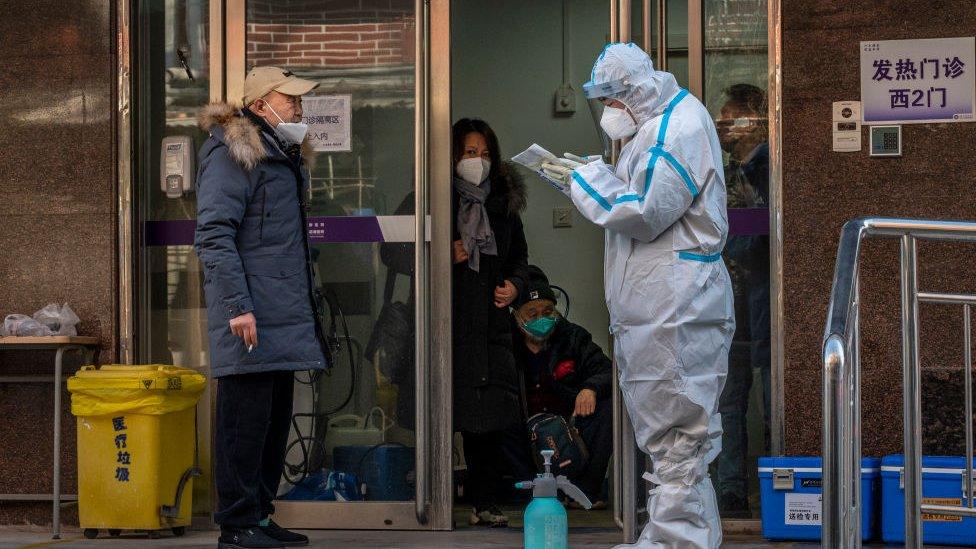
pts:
pixel 540 328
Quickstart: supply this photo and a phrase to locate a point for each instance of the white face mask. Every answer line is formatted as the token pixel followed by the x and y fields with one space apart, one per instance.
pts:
pixel 617 123
pixel 290 133
pixel 473 170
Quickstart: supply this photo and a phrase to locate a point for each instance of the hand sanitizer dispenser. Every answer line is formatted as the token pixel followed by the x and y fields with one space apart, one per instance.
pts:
pixel 545 518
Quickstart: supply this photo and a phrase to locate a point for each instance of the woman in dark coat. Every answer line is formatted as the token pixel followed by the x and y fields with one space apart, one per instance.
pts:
pixel 490 261
pixel 489 272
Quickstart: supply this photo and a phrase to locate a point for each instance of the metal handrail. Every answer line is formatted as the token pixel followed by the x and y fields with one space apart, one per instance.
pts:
pixel 841 378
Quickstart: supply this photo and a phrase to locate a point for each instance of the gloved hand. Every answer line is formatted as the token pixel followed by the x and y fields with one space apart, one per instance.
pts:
pixel 562 169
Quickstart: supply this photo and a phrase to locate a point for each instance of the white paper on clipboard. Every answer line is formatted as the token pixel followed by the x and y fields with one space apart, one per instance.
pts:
pixel 533 158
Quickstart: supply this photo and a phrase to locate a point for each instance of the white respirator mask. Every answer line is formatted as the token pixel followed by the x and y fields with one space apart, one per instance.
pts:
pixel 617 123
pixel 290 133
pixel 473 170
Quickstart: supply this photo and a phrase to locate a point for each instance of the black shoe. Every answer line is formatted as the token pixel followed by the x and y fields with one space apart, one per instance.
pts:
pixel 252 537
pixel 490 516
pixel 286 537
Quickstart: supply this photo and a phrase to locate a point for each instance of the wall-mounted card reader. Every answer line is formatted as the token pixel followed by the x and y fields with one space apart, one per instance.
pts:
pixel 885 140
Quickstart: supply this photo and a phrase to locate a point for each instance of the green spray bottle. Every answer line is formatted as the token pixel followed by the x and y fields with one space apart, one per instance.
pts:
pixel 545 518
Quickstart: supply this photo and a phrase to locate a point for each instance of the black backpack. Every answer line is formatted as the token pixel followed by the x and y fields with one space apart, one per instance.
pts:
pixel 551 432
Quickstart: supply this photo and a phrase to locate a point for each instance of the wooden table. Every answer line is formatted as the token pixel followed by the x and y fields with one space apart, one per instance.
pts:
pixel 62 345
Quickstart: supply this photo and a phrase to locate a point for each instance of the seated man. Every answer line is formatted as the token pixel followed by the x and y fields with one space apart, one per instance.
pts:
pixel 565 373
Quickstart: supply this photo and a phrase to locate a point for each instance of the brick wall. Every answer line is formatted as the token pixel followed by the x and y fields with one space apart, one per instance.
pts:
pixel 330 33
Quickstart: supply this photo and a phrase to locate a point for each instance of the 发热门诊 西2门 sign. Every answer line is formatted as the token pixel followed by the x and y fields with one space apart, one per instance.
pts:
pixel 918 81
pixel 329 119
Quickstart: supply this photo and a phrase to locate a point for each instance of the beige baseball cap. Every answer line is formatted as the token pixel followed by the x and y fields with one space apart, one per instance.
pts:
pixel 263 80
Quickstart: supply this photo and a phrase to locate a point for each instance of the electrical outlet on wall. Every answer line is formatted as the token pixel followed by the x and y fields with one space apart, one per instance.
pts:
pixel 562 218
pixel 565 100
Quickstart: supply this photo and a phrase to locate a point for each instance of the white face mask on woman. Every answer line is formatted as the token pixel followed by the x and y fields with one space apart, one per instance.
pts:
pixel 290 133
pixel 617 123
pixel 473 170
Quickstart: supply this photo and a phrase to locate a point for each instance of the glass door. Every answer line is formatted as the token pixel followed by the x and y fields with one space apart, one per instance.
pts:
pixel 734 46
pixel 174 43
pixel 362 452
pixel 370 440
pixel 718 50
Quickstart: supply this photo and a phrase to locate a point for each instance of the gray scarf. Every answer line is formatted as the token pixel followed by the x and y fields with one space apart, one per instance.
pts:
pixel 472 221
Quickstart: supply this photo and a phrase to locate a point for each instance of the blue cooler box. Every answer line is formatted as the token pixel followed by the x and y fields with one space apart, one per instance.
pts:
pixel 386 470
pixel 791 489
pixel 942 484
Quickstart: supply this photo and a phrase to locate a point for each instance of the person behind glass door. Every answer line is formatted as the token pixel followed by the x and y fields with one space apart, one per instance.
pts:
pixel 743 132
pixel 252 239
pixel 490 259
pixel 564 373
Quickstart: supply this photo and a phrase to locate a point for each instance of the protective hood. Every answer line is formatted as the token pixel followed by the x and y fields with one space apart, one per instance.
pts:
pixel 646 92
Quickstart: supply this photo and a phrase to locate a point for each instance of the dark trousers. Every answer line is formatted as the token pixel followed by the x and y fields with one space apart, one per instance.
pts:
pixel 251 433
pixel 596 430
pixel 491 456
pixel 734 403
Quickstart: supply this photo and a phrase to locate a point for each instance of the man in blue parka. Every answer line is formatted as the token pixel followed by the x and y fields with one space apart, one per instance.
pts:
pixel 252 240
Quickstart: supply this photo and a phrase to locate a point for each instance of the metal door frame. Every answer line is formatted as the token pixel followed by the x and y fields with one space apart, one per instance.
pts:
pixel 624 463
pixel 227 62
pixel 432 508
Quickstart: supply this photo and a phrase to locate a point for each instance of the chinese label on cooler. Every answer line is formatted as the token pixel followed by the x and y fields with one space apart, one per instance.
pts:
pixel 803 510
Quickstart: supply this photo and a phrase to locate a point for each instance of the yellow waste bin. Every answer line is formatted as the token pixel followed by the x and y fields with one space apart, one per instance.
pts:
pixel 137 450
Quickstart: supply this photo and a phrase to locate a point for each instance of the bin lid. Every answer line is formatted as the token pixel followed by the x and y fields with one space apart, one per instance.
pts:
pixel 808 464
pixel 949 465
pixel 147 389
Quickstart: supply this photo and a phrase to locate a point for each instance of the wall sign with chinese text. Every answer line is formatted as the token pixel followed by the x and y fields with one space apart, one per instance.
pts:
pixel 329 119
pixel 918 81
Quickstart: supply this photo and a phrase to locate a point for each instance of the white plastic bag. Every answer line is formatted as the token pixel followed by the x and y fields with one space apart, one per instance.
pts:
pixel 59 320
pixel 23 325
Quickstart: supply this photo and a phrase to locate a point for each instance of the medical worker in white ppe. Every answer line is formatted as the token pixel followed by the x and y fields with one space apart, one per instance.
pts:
pixel 668 292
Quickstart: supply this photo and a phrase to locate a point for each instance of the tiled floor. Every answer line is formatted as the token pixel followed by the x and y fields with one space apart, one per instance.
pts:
pixel 462 539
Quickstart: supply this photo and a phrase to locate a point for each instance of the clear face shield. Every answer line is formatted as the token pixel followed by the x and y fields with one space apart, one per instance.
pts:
pixel 594 92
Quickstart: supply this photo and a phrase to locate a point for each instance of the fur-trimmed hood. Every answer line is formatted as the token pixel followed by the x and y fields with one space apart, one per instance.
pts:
pixel 514 188
pixel 240 134
pixel 242 137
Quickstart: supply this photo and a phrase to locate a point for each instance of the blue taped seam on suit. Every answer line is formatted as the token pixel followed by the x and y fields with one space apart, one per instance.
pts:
pixel 699 257
pixel 681 171
pixel 600 58
pixel 662 131
pixel 591 191
pixel 656 153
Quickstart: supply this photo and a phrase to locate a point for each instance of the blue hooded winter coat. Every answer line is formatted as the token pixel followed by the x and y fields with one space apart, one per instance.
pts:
pixel 251 237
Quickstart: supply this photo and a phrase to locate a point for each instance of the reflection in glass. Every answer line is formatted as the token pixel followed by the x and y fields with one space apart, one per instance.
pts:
pixel 735 64
pixel 352 430
pixel 676 16
pixel 173 82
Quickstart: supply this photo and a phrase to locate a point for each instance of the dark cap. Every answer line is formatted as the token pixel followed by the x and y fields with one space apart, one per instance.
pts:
pixel 536 287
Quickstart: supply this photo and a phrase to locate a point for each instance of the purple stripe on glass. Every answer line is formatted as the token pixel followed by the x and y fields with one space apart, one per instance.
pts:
pixel 169 233
pixel 321 230
pixel 325 230
pixel 748 221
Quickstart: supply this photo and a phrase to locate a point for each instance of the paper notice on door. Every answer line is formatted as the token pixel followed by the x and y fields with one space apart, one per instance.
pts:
pixel 329 119
pixel 803 510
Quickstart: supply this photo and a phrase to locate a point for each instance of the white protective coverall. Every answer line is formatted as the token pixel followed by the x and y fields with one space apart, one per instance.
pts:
pixel 667 289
